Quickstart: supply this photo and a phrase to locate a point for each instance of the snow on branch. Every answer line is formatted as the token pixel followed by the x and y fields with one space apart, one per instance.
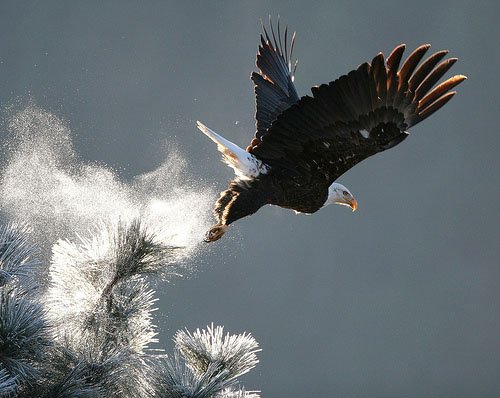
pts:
pixel 24 330
pixel 90 335
pixel 23 334
pixel 99 286
pixel 233 354
pixel 7 383
pixel 206 364
pixel 17 256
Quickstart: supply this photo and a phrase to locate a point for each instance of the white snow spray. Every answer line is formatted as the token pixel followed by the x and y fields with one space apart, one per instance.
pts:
pixel 44 184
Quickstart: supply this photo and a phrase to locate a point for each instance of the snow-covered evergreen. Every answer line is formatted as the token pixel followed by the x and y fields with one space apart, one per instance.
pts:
pixel 89 334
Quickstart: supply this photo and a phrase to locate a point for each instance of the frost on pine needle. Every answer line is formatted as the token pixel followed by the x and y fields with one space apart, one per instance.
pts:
pixel 178 380
pixel 95 340
pixel 138 252
pixel 234 354
pixel 17 256
pixel 24 335
pixel 98 285
pixel 102 305
pixel 206 363
pixel 238 393
pixel 7 383
pixel 67 374
pixel 24 331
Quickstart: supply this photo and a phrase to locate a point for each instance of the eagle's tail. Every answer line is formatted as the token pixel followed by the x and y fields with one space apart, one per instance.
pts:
pixel 245 165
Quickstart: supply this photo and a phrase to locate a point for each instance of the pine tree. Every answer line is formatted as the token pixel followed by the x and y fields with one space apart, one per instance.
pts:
pixel 90 333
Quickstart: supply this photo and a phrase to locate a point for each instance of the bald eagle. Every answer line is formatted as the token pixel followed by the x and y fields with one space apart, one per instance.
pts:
pixel 302 145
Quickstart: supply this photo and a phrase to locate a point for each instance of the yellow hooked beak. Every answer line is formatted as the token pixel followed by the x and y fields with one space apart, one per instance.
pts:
pixel 353 204
pixel 348 201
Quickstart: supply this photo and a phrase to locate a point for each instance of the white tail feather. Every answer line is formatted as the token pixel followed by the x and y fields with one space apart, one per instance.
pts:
pixel 245 165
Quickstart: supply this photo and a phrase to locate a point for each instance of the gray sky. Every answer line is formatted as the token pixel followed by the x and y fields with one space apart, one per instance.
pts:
pixel 401 298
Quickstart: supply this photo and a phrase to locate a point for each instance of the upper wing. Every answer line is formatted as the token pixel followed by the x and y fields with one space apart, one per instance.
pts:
pixel 274 89
pixel 358 115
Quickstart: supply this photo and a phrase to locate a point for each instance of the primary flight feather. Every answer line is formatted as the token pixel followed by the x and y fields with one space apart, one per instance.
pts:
pixel 302 145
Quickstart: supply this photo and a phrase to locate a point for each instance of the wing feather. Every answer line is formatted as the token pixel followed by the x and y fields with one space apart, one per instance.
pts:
pixel 426 68
pixel 433 77
pixel 410 64
pixel 393 62
pixel 425 113
pixel 379 78
pixel 274 88
pixel 358 115
pixel 439 90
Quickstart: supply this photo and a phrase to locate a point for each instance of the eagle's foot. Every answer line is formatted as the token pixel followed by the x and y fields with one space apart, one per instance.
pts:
pixel 216 232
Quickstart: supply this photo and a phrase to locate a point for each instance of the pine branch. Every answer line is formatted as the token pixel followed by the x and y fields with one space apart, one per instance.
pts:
pixel 18 261
pixel 178 380
pixel 100 306
pixel 98 285
pixel 24 335
pixel 206 364
pixel 24 331
pixel 7 383
pixel 238 393
pixel 234 353
pixel 64 376
pixel 102 303
pixel 137 252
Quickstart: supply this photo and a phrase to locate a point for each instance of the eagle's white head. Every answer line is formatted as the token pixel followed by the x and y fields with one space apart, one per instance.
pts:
pixel 340 195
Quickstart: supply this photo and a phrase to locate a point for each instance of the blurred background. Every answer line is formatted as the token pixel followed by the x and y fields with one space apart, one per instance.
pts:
pixel 399 299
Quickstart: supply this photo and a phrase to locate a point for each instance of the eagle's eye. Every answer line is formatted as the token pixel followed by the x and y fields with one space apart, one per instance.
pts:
pixel 345 193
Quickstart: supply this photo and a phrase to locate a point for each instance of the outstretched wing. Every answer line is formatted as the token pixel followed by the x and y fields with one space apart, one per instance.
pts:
pixel 358 115
pixel 274 89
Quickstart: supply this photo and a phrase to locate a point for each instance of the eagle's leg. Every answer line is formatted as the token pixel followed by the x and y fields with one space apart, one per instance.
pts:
pixel 216 232
pixel 237 202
